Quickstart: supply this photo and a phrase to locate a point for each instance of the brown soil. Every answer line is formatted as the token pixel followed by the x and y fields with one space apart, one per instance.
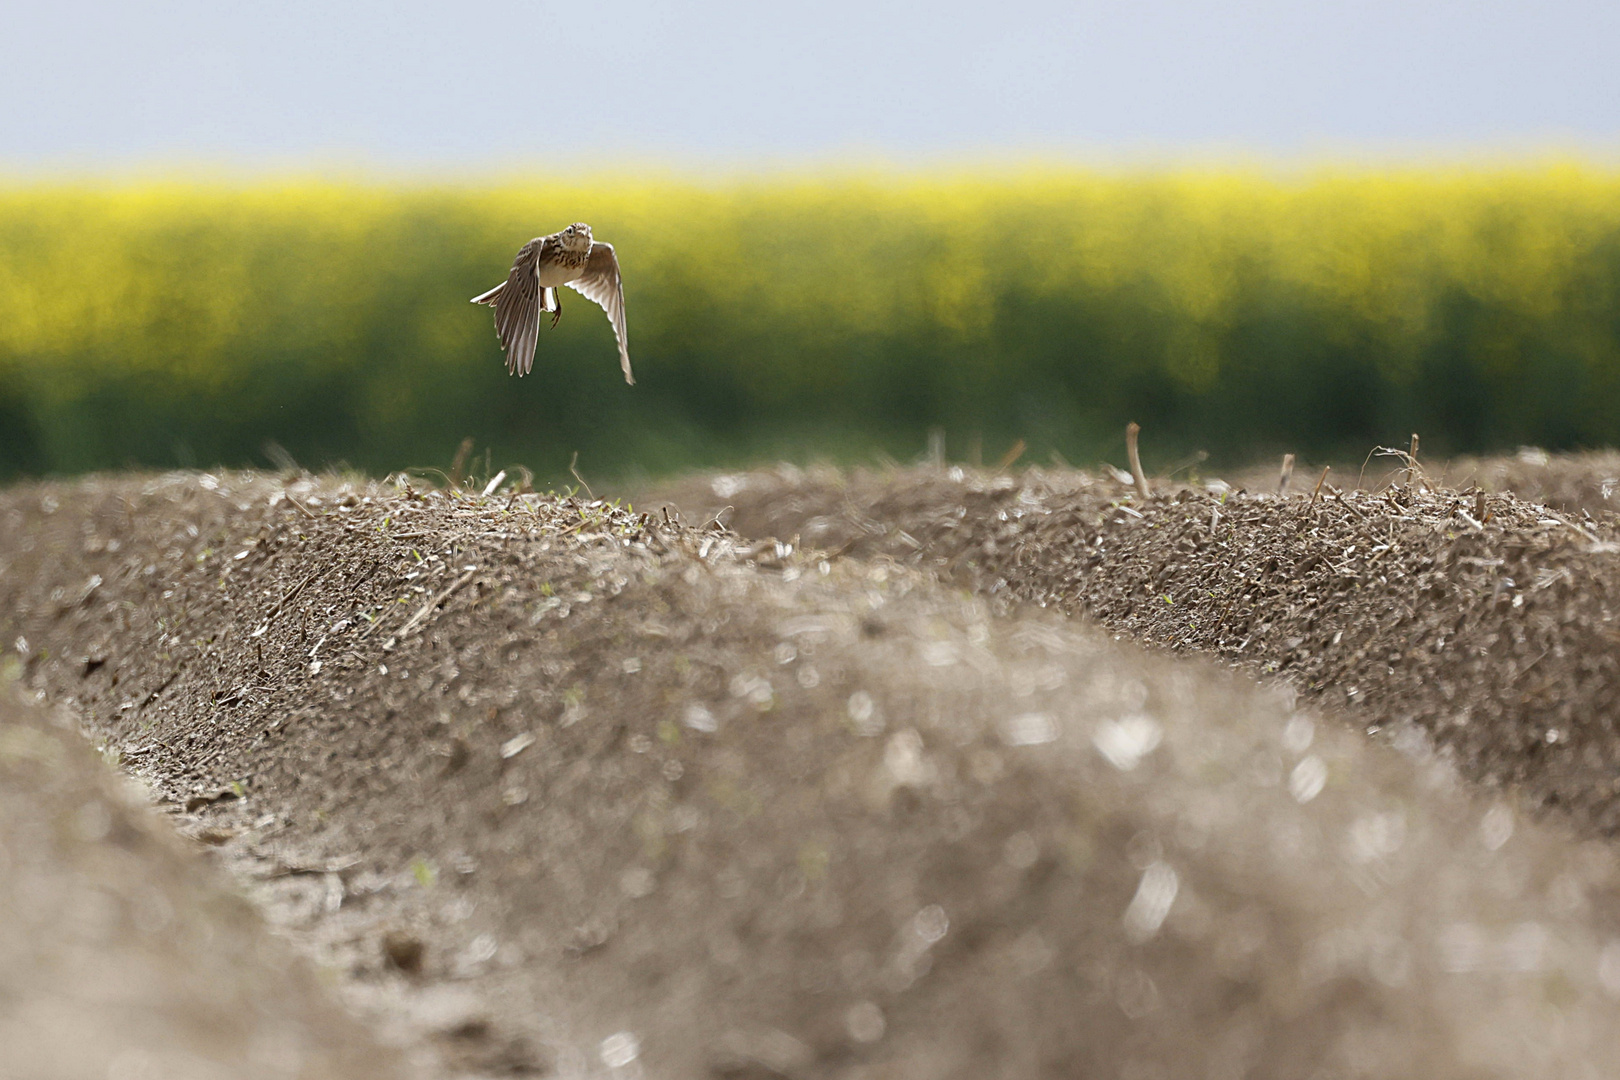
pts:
pixel 1485 619
pixel 1587 482
pixel 121 955
pixel 547 786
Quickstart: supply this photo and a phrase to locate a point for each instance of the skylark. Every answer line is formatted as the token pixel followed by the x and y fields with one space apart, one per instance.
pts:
pixel 569 258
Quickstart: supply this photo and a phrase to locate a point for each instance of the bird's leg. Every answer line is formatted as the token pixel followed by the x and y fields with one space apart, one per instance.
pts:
pixel 556 311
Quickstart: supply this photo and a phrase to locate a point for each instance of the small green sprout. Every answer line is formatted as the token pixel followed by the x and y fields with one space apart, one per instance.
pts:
pixel 424 872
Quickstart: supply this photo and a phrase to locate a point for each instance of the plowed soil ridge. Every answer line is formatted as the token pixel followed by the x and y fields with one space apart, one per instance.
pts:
pixel 122 955
pixel 553 788
pixel 1488 621
pixel 1586 482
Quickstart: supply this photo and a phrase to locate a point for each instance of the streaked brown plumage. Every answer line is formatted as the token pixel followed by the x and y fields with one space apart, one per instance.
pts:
pixel 571 258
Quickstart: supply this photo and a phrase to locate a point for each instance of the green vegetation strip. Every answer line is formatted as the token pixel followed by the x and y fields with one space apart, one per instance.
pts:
pixel 163 324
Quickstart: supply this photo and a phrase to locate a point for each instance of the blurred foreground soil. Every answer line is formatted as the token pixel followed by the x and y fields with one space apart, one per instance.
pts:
pixel 121 954
pixel 548 787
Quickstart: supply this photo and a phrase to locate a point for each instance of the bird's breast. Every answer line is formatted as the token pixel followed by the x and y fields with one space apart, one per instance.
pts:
pixel 559 268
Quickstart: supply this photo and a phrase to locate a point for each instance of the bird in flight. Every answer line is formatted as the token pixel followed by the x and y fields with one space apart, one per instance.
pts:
pixel 571 258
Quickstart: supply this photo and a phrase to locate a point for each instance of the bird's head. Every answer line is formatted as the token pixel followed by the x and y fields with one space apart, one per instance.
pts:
pixel 577 237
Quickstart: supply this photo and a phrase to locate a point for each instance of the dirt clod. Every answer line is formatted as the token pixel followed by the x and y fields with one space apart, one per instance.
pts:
pixel 404 950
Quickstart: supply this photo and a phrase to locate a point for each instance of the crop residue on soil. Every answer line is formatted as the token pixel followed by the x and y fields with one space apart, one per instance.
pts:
pixel 555 788
pixel 1486 620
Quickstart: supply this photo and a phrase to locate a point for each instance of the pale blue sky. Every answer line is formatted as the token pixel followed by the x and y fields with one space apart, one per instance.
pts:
pixel 413 84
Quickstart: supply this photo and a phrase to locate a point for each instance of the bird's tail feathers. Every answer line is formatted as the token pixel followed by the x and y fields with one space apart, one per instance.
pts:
pixel 491 296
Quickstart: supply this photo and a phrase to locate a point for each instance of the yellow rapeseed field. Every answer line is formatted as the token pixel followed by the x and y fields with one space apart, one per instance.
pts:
pixel 1325 310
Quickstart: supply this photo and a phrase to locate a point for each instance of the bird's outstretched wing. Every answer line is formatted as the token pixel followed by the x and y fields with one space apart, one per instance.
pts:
pixel 600 282
pixel 517 308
